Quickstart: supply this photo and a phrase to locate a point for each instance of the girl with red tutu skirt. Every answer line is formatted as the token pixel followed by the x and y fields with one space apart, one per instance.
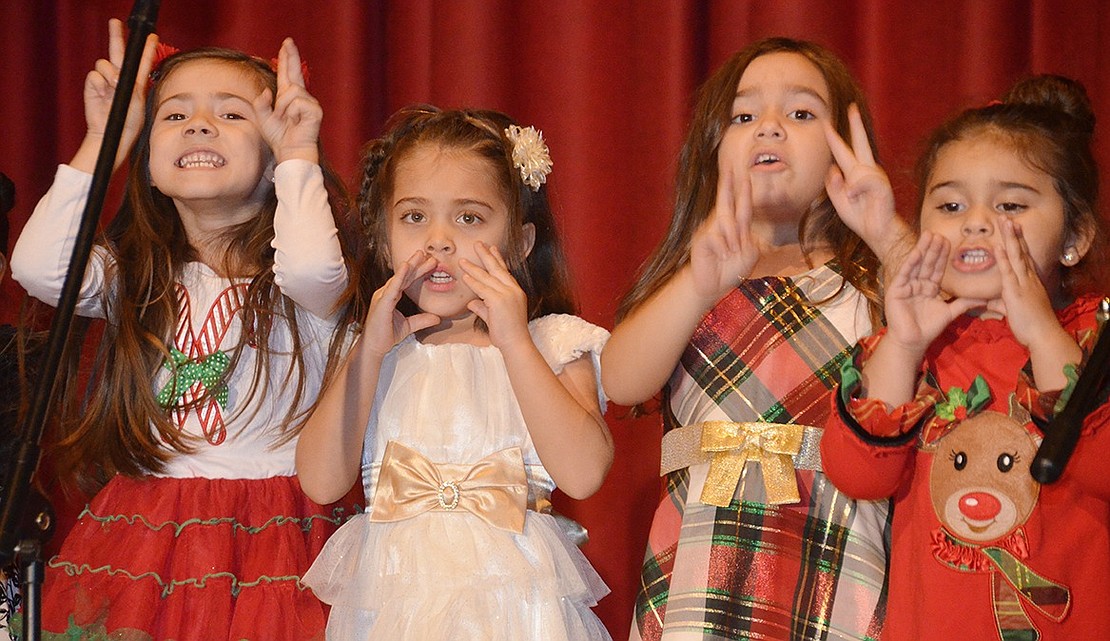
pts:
pixel 218 281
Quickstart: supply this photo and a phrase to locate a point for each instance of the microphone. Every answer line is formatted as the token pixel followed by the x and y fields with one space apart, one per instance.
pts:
pixel 17 521
pixel 1062 432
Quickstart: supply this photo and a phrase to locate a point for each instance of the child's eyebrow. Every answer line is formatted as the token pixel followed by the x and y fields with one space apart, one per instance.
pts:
pixel 793 90
pixel 420 200
pixel 186 96
pixel 473 202
pixel 947 183
pixel 1022 186
pixel 1003 184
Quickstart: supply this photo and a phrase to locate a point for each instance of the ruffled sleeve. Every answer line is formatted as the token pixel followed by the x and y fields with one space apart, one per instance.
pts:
pixel 868 448
pixel 1078 319
pixel 872 417
pixel 562 338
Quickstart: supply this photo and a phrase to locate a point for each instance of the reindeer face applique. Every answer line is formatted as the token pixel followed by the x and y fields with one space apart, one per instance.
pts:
pixel 982 493
pixel 980 482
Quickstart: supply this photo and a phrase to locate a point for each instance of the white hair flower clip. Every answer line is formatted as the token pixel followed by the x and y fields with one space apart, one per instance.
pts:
pixel 530 155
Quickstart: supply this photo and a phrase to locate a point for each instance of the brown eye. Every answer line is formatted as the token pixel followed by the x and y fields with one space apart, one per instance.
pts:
pixel 1011 208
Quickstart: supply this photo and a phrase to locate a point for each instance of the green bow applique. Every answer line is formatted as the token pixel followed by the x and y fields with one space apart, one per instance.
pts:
pixel 961 404
pixel 187 371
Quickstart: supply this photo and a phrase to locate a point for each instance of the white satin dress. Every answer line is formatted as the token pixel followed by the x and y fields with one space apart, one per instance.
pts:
pixel 449 573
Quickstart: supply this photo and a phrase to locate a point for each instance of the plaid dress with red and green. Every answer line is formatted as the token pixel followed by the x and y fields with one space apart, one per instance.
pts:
pixel 811 570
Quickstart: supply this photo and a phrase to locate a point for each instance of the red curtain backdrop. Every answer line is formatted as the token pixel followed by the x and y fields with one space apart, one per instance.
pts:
pixel 609 82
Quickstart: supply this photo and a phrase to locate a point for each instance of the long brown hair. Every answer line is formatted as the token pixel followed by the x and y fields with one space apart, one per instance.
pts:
pixel 1048 121
pixel 543 274
pixel 696 183
pixel 122 428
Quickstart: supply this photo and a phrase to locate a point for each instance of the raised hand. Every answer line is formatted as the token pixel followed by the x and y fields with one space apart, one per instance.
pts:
pixel 385 326
pixel 1024 302
pixel 1027 306
pixel 723 250
pixel 860 191
pixel 916 312
pixel 501 303
pixel 100 88
pixel 292 125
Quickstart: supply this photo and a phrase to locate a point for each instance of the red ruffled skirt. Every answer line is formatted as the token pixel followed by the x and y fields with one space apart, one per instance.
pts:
pixel 185 559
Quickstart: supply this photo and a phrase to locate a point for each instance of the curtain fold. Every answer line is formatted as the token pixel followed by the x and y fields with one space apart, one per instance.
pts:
pixel 609 83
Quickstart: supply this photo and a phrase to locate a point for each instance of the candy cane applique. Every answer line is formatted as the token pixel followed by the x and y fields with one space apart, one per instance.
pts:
pixel 198 363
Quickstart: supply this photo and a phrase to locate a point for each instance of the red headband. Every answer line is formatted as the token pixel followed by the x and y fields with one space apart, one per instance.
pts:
pixel 163 51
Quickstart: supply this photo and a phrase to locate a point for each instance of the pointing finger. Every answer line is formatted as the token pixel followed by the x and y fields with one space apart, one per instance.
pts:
pixel 146 62
pixel 841 152
pixel 860 143
pixel 293 71
pixel 116 44
pixel 724 210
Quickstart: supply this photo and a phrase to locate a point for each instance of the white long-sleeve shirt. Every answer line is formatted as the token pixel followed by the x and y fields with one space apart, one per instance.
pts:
pixel 234 438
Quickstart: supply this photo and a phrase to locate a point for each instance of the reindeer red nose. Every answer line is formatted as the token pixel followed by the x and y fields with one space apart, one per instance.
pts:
pixel 980 506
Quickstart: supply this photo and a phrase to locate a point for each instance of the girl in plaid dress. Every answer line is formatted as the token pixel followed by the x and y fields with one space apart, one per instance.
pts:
pixel 742 318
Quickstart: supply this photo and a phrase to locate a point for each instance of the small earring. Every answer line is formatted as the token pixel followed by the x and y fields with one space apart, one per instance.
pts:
pixel 1071 256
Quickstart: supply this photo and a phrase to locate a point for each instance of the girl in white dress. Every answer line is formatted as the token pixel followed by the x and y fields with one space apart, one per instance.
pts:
pixel 470 394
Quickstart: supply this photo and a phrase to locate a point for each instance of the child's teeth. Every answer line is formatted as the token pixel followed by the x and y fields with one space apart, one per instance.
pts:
pixel 201 159
pixel 975 256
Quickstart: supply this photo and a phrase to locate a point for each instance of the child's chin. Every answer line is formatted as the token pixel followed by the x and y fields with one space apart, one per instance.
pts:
pixel 960 288
pixel 449 313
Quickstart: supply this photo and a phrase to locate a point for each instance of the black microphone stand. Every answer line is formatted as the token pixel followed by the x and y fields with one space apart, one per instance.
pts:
pixel 1090 391
pixel 22 517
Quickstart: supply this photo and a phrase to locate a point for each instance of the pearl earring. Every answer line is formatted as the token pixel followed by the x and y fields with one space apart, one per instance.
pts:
pixel 1071 256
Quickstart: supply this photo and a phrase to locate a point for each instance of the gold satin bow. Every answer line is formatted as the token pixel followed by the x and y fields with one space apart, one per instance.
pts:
pixel 495 489
pixel 731 445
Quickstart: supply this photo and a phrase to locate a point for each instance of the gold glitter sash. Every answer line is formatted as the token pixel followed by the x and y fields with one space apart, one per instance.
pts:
pixel 495 489
pixel 726 446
